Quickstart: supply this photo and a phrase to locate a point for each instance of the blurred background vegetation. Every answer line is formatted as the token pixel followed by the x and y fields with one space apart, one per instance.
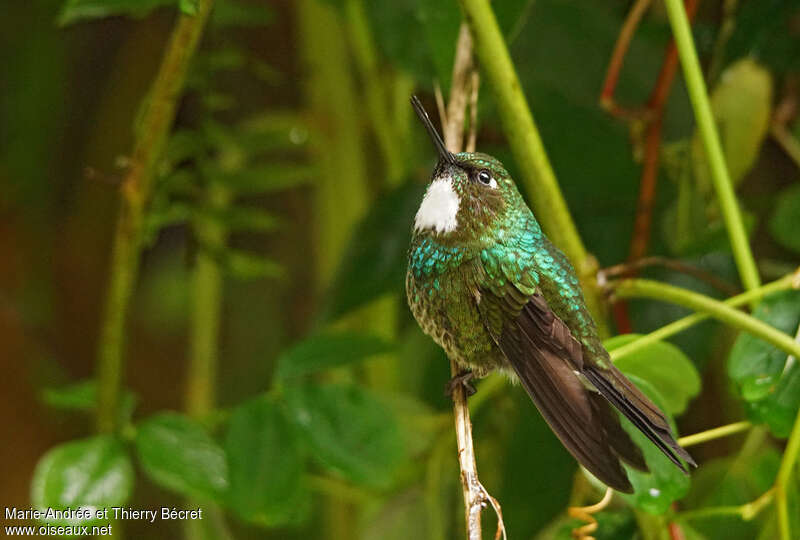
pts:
pixel 260 360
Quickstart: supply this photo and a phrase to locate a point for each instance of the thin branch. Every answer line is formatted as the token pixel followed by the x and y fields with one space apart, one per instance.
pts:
pixel 643 288
pixel 624 38
pixel 787 282
pixel 746 511
pixel 655 120
pixel 716 433
pixel 151 135
pixel 695 84
pixel 475 495
pixel 673 264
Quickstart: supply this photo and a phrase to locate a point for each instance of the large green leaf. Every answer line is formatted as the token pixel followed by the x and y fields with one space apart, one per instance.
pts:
pixel 655 491
pixel 375 261
pixel 178 454
pixel 768 381
pixel 328 350
pixel 783 223
pixel 77 10
pixel 266 466
pixel 664 366
pixel 94 472
pixel 347 430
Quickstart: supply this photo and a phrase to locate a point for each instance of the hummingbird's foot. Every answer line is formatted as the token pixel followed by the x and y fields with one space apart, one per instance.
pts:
pixel 463 380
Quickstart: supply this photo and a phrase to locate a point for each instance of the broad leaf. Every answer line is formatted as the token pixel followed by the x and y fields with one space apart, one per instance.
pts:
pixel 767 379
pixel 741 104
pixel 664 366
pixel 266 466
pixel 375 261
pixel 178 454
pixel 94 472
pixel 326 351
pixel 783 223
pixel 347 430
pixel 246 265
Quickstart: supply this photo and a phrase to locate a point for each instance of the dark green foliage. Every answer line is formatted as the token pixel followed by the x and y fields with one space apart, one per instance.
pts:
pixel 88 472
pixel 266 466
pixel 76 10
pixel 768 383
pixel 326 351
pixel 375 260
pixel 783 224
pixel 178 454
pixel 311 404
pixel 365 451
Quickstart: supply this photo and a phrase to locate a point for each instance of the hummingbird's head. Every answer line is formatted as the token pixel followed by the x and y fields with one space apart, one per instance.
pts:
pixel 469 196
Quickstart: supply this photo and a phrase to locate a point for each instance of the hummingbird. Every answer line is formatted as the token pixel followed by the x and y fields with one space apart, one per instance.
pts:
pixel 490 288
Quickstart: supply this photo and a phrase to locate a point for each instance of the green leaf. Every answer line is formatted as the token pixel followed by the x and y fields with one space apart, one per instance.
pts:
pixel 82 396
pixel 78 10
pixel 655 491
pixel 375 260
pixel 741 103
pixel 178 454
pixel 266 466
pixel 767 380
pixel 326 351
pixel 783 224
pixel 664 366
pixel 347 430
pixel 92 472
pixel 439 23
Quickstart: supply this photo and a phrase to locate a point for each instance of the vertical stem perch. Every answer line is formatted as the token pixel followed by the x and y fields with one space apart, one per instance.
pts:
pixel 475 495
pixel 151 134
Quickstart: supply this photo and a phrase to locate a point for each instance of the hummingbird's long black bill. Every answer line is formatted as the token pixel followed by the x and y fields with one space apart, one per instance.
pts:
pixel 444 153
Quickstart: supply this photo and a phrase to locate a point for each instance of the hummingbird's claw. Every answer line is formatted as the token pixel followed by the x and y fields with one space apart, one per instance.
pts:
pixel 463 380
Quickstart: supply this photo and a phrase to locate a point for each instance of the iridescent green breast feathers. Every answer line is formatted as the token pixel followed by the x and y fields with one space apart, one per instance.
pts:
pixel 488 286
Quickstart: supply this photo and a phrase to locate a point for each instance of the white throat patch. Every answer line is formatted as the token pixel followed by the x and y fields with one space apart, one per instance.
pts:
pixel 439 207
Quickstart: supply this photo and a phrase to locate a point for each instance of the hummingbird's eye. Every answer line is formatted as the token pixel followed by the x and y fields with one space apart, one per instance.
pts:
pixel 485 178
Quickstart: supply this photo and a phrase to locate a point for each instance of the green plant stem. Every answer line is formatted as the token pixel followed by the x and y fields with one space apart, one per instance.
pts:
pixel 150 137
pixel 643 288
pixel 205 320
pixel 790 456
pixel 715 433
pixel 526 144
pixel 698 94
pixel 366 62
pixel 675 327
pixel 746 511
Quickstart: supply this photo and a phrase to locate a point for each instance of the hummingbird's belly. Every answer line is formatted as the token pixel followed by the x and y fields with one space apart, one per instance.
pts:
pixel 446 308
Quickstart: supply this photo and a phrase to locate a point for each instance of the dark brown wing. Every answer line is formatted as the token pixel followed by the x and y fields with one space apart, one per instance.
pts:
pixel 545 356
pixel 637 408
